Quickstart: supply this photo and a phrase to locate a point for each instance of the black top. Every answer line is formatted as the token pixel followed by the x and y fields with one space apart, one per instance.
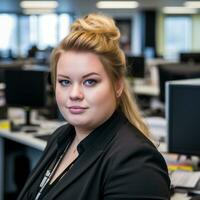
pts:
pixel 115 162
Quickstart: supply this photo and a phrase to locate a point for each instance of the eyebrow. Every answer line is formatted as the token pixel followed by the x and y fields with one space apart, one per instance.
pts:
pixel 85 76
pixel 63 76
pixel 90 74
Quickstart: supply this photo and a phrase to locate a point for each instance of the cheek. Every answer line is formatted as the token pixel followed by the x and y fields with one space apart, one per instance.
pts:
pixel 102 97
pixel 59 96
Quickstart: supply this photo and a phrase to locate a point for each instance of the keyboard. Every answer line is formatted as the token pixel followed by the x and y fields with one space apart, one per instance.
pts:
pixel 43 137
pixel 186 179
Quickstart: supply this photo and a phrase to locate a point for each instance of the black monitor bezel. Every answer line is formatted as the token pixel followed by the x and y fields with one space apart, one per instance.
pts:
pixel 172 148
pixel 41 76
pixel 189 57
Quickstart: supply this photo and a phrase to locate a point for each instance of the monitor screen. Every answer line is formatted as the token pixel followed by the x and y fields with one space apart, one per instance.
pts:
pixel 190 57
pixel 183 114
pixel 169 72
pixel 135 66
pixel 8 66
pixel 26 88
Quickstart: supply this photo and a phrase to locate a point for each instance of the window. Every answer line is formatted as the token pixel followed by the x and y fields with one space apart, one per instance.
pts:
pixel 8 39
pixel 24 35
pixel 178 35
pixel 64 25
pixel 47 31
pixel 24 31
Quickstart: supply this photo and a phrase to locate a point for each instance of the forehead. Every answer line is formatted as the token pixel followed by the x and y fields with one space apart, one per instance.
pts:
pixel 81 61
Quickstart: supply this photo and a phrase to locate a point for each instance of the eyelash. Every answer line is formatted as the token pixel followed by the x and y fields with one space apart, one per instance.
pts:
pixel 63 82
pixel 88 82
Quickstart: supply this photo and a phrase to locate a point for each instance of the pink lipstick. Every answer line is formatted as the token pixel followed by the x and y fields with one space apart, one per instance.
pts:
pixel 76 109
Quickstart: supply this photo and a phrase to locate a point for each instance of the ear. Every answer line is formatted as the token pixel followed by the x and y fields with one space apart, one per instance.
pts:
pixel 119 86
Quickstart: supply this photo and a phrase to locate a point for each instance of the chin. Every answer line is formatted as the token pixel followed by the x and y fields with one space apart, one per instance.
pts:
pixel 78 121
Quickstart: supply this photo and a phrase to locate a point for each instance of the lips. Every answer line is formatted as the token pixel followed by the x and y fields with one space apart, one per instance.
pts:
pixel 76 109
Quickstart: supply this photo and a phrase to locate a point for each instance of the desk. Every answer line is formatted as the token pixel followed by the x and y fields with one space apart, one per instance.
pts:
pixel 26 140
pixel 33 145
pixel 23 138
pixel 180 196
pixel 151 87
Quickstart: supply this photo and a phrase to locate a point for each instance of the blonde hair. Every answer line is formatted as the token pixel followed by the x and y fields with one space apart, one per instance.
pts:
pixel 98 34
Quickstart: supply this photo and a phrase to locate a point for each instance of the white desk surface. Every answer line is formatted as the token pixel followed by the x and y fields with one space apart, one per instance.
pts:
pixel 179 196
pixel 24 138
pixel 28 138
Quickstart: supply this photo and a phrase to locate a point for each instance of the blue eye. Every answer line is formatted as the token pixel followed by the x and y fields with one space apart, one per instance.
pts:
pixel 90 82
pixel 64 83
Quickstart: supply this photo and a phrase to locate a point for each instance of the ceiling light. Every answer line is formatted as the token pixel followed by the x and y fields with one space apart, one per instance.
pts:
pixel 117 4
pixel 33 11
pixel 192 4
pixel 39 4
pixel 179 10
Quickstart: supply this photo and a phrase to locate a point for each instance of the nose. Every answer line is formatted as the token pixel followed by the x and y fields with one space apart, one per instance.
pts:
pixel 76 93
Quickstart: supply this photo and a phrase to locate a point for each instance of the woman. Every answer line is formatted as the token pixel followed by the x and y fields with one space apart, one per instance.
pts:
pixel 103 153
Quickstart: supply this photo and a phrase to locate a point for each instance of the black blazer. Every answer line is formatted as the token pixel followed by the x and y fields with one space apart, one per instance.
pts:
pixel 116 162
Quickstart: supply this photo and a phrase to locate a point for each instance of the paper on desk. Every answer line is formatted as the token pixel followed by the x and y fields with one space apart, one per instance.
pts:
pixel 187 179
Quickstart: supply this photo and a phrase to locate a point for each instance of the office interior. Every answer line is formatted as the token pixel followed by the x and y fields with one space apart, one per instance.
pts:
pixel 161 42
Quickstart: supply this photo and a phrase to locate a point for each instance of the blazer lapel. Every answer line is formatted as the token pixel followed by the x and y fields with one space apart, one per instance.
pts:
pixel 89 156
pixel 51 153
pixel 85 161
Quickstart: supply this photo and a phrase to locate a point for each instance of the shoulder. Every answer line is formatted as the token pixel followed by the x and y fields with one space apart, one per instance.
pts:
pixel 135 162
pixel 130 142
pixel 129 136
pixel 127 133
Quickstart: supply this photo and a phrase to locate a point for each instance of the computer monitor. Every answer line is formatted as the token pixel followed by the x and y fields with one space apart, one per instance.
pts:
pixel 8 65
pixel 189 57
pixel 26 89
pixel 135 66
pixel 183 114
pixel 43 56
pixel 176 71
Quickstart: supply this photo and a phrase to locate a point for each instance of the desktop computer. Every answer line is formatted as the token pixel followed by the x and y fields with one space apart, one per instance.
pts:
pixel 26 89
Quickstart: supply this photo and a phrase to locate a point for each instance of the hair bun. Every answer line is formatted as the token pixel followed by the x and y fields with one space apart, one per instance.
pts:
pixel 99 25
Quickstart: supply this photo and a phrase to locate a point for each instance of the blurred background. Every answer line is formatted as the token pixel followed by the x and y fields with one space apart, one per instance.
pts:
pixel 156 28
pixel 161 42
